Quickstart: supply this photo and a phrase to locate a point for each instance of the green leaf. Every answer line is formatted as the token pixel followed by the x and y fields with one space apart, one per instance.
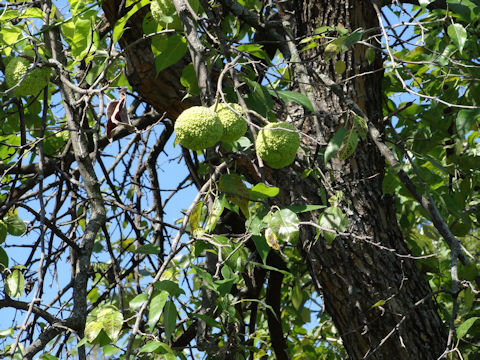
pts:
pixel 168 50
pixel 235 190
pixel 259 98
pixel 262 191
pixel 149 249
pixel 137 301
pixel 297 209
pixel 169 319
pixel 349 145
pixel 15 225
pixel 109 350
pixel 208 320
pixel 6 332
pixel 458 34
pixel 3 258
pixel 112 321
pixel 370 55
pixel 332 49
pixel 261 246
pixel 170 286
pixel 361 126
pixel 9 35
pixel 333 219
pixel 156 307
pixel 468 272
pixel 292 96
pixel 25 14
pixel 297 297
pixel 119 27
pixel 255 50
pixel 3 231
pixel 189 79
pixel 469 297
pixel 282 226
pixel 82 37
pixel 15 284
pixel 271 268
pixel 224 286
pixel 215 213
pixel 334 144
pixel 150 347
pixel 46 356
pixel 352 39
pixel 462 330
pixel 156 347
pixel 466 118
pixel 82 342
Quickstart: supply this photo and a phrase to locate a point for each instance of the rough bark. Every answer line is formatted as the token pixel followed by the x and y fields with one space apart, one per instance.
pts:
pixel 353 274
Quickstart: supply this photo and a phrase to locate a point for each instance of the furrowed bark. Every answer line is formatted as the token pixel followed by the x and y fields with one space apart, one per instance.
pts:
pixel 352 274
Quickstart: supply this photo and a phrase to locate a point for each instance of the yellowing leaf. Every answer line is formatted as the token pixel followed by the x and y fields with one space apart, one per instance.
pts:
pixel 112 321
pixel 271 239
pixel 92 329
pixel 195 216
pixel 378 303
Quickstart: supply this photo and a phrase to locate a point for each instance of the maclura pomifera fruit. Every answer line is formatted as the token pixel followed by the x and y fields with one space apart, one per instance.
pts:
pixel 234 125
pixel 198 128
pixel 277 144
pixel 32 83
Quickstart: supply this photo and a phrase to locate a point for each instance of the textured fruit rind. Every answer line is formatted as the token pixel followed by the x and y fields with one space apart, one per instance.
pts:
pixel 234 126
pixel 198 128
pixel 162 8
pixel 35 80
pixel 278 147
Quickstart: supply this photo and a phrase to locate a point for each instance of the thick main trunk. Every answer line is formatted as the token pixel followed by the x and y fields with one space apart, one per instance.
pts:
pixel 354 274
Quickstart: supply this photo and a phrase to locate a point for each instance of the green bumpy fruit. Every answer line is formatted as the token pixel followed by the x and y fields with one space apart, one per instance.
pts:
pixel 35 80
pixel 198 128
pixel 234 126
pixel 278 147
pixel 163 8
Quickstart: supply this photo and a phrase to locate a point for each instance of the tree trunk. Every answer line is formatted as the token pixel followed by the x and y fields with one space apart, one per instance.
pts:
pixel 353 274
